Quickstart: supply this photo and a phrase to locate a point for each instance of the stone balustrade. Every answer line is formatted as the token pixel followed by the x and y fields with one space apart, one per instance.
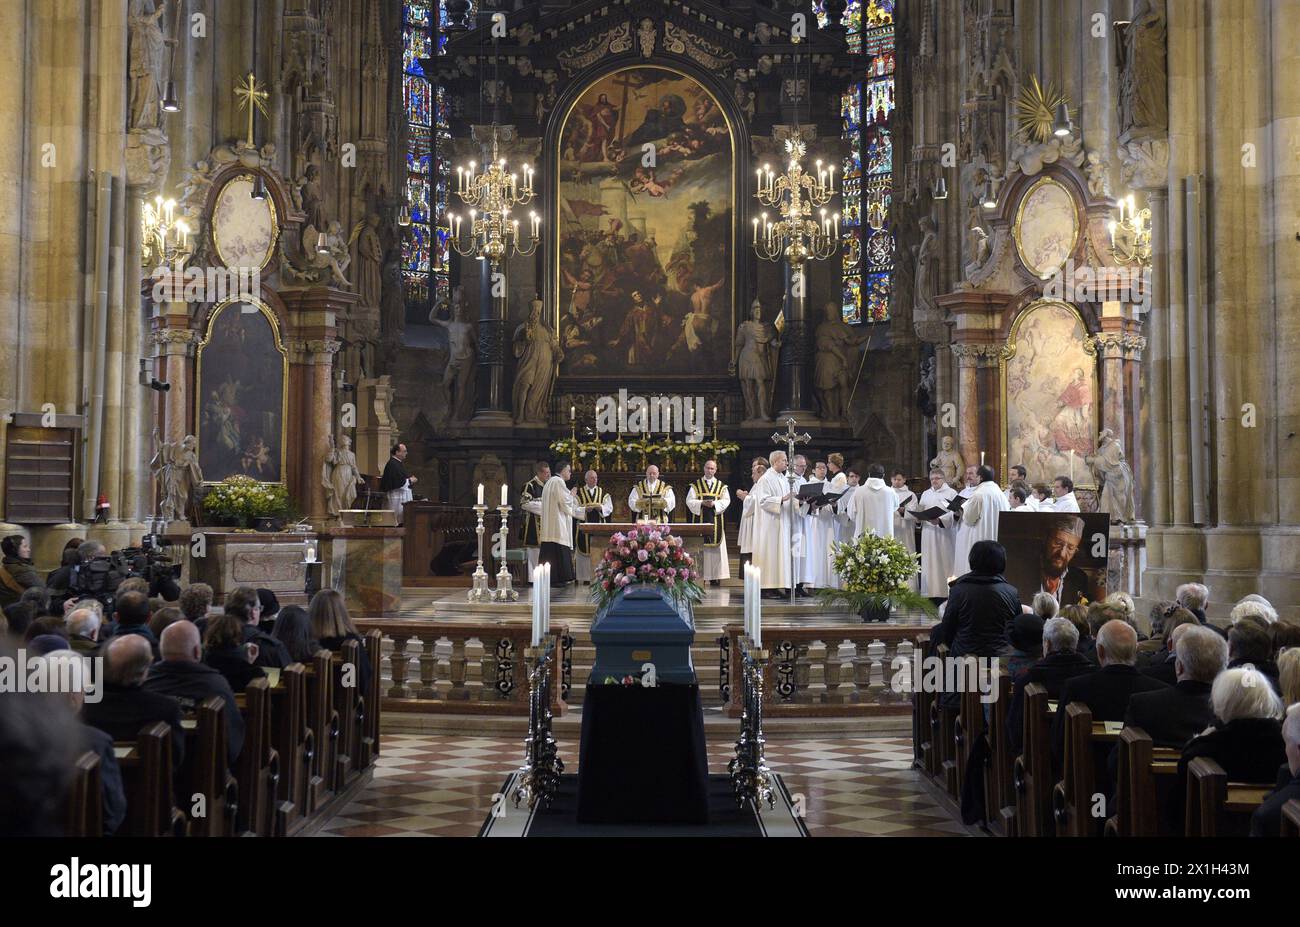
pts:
pixel 463 668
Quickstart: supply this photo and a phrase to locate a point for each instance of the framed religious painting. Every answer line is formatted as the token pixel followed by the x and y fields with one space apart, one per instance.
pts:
pixel 1062 553
pixel 244 229
pixel 242 394
pixel 1047 227
pixel 1049 395
pixel 645 247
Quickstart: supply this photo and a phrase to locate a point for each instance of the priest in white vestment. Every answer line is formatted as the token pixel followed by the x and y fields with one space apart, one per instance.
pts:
pixel 651 499
pixel 597 506
pixel 745 536
pixel 873 507
pixel 819 531
pixel 774 514
pixel 936 537
pixel 844 507
pixel 838 482
pixel 707 498
pixel 979 519
pixel 904 532
pixel 559 509
pixel 1063 499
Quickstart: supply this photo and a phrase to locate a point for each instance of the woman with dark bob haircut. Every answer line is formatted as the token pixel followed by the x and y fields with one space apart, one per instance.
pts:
pixel 980 609
pixel 293 629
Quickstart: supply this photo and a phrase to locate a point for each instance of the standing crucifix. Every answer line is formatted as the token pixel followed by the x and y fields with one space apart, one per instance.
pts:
pixel 251 97
pixel 790 438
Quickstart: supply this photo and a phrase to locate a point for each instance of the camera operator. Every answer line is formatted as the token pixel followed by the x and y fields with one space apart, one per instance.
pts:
pixel 150 562
pixel 94 577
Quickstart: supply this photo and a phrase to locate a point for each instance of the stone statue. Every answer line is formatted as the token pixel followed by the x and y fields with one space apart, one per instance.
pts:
pixel 175 467
pixel 1115 476
pixel 462 353
pixel 370 263
pixel 925 390
pixel 1143 106
pixel 836 343
pixel 340 476
pixel 309 193
pixel 949 461
pixel 492 474
pixel 756 346
pixel 539 353
pixel 1098 181
pixel 977 246
pixel 148 47
pixel 927 257
pixel 645 36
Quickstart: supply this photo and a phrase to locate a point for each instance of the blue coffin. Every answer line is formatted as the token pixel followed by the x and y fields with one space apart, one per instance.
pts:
pixel 642 624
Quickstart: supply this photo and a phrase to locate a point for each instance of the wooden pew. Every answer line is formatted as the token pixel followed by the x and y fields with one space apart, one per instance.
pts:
pixel 324 722
pixel 374 652
pixel 1291 818
pixel 258 769
pixel 350 708
pixel 146 765
pixel 967 732
pixel 1144 776
pixel 83 810
pixel 1087 746
pixel 999 777
pixel 293 740
pixel 923 756
pixel 941 740
pixel 206 771
pixel 1032 770
pixel 1217 807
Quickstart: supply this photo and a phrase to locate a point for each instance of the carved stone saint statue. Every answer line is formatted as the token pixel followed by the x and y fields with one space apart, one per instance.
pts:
pixel 339 476
pixel 175 468
pixel 1143 102
pixel 148 48
pixel 756 346
pixel 1115 476
pixel 926 260
pixel 834 369
pixel 539 353
pixel 949 461
pixel 462 352
pixel 370 263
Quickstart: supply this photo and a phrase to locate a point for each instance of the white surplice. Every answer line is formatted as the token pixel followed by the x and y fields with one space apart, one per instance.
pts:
pixel 819 531
pixel 979 522
pixel 714 561
pixel 745 537
pixel 773 520
pixel 1065 503
pixel 559 509
pixel 873 509
pixel 937 539
pixel 904 532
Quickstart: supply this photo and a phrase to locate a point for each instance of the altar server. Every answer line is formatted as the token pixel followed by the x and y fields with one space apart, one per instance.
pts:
pixel 774 514
pixel 1063 495
pixel 844 505
pixel 838 482
pixel 936 538
pixel 559 509
pixel 530 503
pixel 819 531
pixel 707 498
pixel 597 506
pixel 757 467
pixel 979 518
pixel 652 499
pixel 904 530
pixel 873 505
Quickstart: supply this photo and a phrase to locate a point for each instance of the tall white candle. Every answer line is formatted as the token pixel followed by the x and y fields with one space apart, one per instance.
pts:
pixel 981 458
pixel 758 607
pixel 480 493
pixel 537 605
pixel 505 499
pixel 1071 465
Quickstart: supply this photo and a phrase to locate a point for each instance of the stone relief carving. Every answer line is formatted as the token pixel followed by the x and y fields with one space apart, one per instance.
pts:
pixel 646 36
pixel 1114 476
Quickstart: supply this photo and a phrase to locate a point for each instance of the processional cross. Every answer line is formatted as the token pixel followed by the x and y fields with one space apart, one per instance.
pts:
pixel 791 438
pixel 251 97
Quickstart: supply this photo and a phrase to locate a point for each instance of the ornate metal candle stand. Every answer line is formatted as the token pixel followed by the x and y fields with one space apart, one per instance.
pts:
pixel 504 591
pixel 481 592
pixel 539 777
pixel 750 777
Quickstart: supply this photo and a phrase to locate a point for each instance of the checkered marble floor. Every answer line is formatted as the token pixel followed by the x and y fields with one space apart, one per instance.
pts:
pixel 445 785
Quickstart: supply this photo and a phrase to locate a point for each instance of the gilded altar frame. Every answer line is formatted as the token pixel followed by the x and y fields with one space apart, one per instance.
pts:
pixel 269 201
pixel 1017 231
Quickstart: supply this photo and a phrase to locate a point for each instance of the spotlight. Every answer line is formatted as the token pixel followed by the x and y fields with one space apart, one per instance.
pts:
pixel 169 102
pixel 1061 125
pixel 259 187
pixel 988 198
pixel 403 216
pixel 940 189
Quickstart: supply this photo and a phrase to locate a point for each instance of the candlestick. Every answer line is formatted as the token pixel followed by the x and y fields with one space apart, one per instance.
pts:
pixel 505 498
pixel 480 592
pixel 573 413
pixel 505 591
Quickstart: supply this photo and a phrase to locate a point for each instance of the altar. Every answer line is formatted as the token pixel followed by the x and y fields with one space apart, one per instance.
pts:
pixel 691 533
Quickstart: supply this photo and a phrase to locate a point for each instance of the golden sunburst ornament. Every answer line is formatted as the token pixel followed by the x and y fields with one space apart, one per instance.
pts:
pixel 1036 109
pixel 795 148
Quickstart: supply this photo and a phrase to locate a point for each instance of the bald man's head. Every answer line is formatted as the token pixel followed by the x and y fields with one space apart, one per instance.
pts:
pixel 128 661
pixel 180 643
pixel 1117 643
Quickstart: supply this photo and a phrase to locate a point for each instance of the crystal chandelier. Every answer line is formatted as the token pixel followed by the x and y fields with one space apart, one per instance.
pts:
pixel 165 239
pixel 1130 237
pixel 492 194
pixel 795 235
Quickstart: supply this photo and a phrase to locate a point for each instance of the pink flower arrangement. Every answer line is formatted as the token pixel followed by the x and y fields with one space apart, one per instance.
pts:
pixel 645 556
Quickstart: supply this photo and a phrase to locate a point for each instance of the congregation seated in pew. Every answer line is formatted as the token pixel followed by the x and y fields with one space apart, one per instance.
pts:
pixel 1267 819
pixel 1060 662
pixel 227 652
pixel 182 675
pixel 331 626
pixel 126 705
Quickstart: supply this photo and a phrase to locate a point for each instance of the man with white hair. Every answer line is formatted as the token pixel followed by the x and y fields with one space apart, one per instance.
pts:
pixel 182 675
pixel 1193 596
pixel 83 625
pixel 1061 662
pixel 1107 691
pixel 1174 715
pixel 774 514
pixel 1267 819
pixel 1253 606
pixel 126 706
pixel 1068 585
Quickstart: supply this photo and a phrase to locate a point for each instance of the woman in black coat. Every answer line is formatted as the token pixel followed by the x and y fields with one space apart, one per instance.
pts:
pixel 980 609
pixel 225 651
pixel 19 574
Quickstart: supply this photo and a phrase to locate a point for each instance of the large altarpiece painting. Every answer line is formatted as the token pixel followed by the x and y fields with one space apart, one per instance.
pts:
pixel 242 374
pixel 645 185
pixel 1050 394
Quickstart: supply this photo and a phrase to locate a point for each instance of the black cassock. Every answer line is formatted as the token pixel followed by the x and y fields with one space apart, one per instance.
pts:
pixel 394 477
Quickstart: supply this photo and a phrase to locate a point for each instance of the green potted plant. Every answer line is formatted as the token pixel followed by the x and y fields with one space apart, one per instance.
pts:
pixel 875 573
pixel 243 502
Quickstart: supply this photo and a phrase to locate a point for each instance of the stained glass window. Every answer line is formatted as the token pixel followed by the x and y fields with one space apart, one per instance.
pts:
pixel 866 109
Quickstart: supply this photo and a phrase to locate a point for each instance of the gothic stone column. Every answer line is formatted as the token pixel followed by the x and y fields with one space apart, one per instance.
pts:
pixel 491 394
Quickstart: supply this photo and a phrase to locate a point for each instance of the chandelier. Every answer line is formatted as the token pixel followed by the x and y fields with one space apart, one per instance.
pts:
pixel 165 239
pixel 1130 237
pixel 795 235
pixel 492 194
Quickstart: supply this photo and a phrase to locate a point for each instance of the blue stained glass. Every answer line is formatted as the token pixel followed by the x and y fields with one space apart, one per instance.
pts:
pixel 417 14
pixel 878 13
pixel 852 308
pixel 880 151
pixel 416 95
pixel 878 288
